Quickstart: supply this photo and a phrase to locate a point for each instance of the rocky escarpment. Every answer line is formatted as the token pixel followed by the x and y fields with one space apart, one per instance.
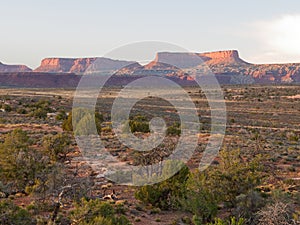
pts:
pixel 66 80
pixel 227 65
pixel 278 73
pixel 38 80
pixel 230 57
pixel 174 64
pixel 190 60
pixel 13 68
pixel 80 65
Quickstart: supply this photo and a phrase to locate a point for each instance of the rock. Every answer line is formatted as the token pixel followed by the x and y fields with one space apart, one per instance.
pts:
pixel 66 72
pixel 230 57
pixel 120 202
pixel 80 65
pixel 14 68
pixel 18 195
pixel 188 60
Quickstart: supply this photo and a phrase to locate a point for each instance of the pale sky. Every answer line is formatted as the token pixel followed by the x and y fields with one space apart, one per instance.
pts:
pixel 265 31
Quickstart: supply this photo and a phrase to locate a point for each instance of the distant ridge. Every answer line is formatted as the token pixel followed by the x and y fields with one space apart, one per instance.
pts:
pixel 187 60
pixel 79 65
pixel 14 68
pixel 227 65
pixel 63 80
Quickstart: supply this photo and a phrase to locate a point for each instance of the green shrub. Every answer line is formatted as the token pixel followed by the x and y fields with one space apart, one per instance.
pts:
pixel 139 124
pixel 40 109
pixel 231 221
pixel 67 123
pixel 57 146
pixel 83 121
pixel 7 108
pixel 21 111
pixel 61 116
pixel 200 199
pixel 19 163
pixel 248 204
pixel 166 194
pixel 13 214
pixel 39 113
pixel 230 182
pixel 96 212
pixel 234 176
pixel 174 129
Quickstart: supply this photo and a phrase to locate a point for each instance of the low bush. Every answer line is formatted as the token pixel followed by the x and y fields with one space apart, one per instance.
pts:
pixel 57 146
pixel 139 124
pixel 165 195
pixel 96 212
pixel 83 121
pixel 13 214
pixel 174 129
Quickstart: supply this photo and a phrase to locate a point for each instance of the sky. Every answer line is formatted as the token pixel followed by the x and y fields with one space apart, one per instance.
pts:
pixel 264 31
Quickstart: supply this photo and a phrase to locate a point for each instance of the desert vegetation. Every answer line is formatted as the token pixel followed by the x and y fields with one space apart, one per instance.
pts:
pixel 45 178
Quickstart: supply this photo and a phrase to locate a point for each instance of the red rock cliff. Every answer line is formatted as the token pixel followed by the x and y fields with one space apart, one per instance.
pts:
pixel 13 68
pixel 187 60
pixel 222 57
pixel 79 65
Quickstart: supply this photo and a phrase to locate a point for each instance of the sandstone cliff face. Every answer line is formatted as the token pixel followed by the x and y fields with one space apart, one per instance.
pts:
pixel 225 64
pixel 228 63
pixel 189 60
pixel 79 65
pixel 13 68
pixel 280 73
pixel 230 57
pixel 55 65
